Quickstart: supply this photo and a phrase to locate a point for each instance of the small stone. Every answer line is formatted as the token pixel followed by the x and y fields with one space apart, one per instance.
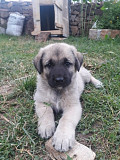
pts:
pixel 77 19
pixel 3 23
pixel 74 30
pixel 78 152
pixel 75 12
pixel 72 18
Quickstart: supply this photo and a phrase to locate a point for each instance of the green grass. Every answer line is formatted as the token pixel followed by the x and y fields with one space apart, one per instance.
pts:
pixel 99 126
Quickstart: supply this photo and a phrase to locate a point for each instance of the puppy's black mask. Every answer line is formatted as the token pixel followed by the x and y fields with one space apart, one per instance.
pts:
pixel 59 75
pixel 59 70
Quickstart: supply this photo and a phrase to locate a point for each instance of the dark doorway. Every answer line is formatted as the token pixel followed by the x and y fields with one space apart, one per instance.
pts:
pixel 47 17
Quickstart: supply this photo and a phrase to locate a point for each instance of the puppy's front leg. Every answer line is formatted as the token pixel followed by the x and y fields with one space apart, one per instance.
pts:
pixel 64 137
pixel 46 124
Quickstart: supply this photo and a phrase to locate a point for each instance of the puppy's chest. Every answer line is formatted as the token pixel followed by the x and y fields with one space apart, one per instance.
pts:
pixel 57 102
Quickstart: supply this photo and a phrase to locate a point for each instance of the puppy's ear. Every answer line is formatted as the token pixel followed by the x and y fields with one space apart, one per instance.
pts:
pixel 38 61
pixel 78 60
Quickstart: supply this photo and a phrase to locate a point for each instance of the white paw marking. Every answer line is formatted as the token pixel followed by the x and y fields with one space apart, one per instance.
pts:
pixel 62 141
pixel 98 84
pixel 46 130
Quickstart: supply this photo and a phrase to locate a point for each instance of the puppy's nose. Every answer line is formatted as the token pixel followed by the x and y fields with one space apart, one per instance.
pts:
pixel 59 79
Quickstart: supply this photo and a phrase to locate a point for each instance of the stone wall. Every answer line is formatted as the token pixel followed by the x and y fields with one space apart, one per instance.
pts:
pixel 82 17
pixel 24 8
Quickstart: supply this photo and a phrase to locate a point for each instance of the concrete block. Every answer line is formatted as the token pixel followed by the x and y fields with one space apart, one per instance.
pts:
pixel 101 33
pixel 93 34
pixel 115 33
pixel 105 32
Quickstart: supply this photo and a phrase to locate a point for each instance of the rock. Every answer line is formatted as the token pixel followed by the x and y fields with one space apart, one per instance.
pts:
pixel 77 19
pixel 72 18
pixel 3 5
pixel 3 23
pixel 74 30
pixel 16 8
pixel 78 152
pixel 73 23
pixel 2 30
pixel 75 12
pixel 4 13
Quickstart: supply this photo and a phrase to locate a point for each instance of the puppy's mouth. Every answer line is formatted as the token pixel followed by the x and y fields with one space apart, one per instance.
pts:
pixel 59 88
pixel 59 83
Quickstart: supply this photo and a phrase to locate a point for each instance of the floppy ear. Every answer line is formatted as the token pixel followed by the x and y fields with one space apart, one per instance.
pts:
pixel 38 61
pixel 78 60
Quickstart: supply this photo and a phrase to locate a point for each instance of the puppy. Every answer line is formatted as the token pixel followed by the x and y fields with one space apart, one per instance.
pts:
pixel 60 83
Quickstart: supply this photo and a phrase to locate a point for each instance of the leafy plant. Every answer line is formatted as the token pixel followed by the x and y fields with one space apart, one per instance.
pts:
pixel 110 18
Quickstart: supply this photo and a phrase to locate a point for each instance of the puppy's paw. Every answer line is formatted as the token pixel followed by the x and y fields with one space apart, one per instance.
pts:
pixel 62 141
pixel 98 84
pixel 46 130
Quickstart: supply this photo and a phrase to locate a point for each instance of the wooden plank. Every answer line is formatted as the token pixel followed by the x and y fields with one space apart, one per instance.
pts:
pixel 58 5
pixel 65 16
pixel 36 17
pixel 58 25
pixel 55 32
pixel 46 2
pixel 58 12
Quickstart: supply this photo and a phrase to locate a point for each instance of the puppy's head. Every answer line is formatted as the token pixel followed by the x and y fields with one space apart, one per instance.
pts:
pixel 57 63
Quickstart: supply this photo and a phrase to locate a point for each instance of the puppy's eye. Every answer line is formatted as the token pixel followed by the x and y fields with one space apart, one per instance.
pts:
pixel 49 64
pixel 67 63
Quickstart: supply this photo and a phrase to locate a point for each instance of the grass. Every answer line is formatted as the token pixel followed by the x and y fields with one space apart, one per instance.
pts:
pixel 99 126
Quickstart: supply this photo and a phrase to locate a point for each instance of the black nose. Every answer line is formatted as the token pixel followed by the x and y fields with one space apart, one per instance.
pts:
pixel 59 79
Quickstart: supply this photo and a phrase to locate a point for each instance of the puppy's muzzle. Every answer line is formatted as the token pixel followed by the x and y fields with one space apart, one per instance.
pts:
pixel 59 77
pixel 58 80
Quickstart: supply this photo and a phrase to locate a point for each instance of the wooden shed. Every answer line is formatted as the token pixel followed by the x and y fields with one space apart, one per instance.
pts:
pixel 51 16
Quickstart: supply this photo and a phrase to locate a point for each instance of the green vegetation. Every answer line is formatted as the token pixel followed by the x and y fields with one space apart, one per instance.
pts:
pixel 111 16
pixel 99 126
